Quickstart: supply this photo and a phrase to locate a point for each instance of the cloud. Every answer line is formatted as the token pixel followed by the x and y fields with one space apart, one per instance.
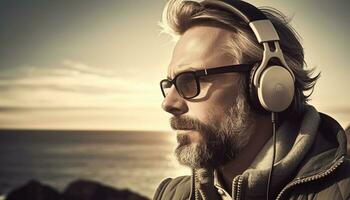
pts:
pixel 73 95
pixel 81 68
pixel 74 84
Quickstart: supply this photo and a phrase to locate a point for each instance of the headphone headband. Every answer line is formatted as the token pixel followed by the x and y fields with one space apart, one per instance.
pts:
pixel 246 11
pixel 262 27
pixel 273 84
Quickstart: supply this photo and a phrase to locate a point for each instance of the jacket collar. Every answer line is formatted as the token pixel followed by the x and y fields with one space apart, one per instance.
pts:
pixel 314 143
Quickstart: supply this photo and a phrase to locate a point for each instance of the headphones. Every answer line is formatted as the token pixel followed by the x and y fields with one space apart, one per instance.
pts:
pixel 271 86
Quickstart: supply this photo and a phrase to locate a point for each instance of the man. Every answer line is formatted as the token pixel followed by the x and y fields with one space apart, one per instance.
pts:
pixel 222 133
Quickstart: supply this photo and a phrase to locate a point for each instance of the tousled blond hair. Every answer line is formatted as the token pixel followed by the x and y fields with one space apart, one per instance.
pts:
pixel 180 15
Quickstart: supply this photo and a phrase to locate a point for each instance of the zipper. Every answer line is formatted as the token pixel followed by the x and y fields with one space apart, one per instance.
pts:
pixel 196 195
pixel 323 174
pixel 237 187
pixel 196 191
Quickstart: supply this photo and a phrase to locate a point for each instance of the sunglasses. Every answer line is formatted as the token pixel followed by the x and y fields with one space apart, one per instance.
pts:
pixel 187 83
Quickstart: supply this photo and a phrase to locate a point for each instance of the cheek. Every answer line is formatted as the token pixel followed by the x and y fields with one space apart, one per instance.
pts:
pixel 213 109
pixel 220 92
pixel 223 98
pixel 220 98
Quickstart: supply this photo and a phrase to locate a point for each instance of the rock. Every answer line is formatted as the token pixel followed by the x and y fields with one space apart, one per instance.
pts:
pixel 77 190
pixel 34 190
pixel 90 190
pixel 347 132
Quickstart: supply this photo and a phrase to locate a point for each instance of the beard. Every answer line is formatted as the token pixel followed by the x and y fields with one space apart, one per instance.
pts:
pixel 221 139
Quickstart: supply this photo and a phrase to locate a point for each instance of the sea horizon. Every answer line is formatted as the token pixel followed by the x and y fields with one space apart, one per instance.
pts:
pixel 134 160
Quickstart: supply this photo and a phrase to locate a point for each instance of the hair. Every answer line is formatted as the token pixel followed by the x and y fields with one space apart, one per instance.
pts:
pixel 180 15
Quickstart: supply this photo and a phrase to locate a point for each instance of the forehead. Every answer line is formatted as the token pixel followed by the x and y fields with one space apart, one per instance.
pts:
pixel 200 47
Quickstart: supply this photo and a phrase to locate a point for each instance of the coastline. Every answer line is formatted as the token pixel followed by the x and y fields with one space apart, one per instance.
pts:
pixel 78 189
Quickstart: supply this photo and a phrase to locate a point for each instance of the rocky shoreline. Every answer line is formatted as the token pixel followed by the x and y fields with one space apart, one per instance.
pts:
pixel 77 190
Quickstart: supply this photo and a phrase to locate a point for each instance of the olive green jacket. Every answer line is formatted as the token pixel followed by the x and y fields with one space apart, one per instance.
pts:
pixel 311 163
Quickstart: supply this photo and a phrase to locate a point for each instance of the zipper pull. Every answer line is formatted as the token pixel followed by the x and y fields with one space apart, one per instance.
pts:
pixel 205 184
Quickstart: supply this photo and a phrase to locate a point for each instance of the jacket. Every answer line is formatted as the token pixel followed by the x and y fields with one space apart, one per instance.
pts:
pixel 311 164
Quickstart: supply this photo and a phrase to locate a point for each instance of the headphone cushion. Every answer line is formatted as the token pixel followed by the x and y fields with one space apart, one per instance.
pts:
pixel 253 92
pixel 276 89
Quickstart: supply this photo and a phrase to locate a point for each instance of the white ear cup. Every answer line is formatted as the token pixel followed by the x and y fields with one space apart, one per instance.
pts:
pixel 276 88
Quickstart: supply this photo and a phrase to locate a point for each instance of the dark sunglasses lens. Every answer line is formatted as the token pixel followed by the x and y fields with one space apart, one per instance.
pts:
pixel 187 85
pixel 165 86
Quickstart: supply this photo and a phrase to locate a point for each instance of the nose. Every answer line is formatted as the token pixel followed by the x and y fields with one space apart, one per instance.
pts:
pixel 174 104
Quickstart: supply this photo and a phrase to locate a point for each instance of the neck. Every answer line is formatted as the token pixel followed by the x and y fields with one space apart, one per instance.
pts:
pixel 261 132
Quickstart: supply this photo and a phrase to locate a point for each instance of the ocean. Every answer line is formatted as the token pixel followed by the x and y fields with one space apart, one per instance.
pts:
pixel 135 160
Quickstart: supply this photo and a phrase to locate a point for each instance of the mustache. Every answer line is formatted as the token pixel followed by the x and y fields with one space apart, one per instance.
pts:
pixel 185 123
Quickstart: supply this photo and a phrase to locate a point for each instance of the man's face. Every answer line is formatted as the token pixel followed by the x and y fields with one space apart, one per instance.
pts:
pixel 211 127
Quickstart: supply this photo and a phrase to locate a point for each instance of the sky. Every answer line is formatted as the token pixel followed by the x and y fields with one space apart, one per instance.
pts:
pixel 97 64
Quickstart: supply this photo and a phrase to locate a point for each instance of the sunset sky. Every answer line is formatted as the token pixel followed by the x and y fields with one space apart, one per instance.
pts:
pixel 97 64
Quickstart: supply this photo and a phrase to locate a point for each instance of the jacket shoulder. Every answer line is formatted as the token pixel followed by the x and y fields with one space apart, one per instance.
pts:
pixel 340 183
pixel 335 186
pixel 174 188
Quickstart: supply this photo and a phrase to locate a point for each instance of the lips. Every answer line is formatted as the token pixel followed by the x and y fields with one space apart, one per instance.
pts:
pixel 183 131
pixel 182 128
pixel 183 123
